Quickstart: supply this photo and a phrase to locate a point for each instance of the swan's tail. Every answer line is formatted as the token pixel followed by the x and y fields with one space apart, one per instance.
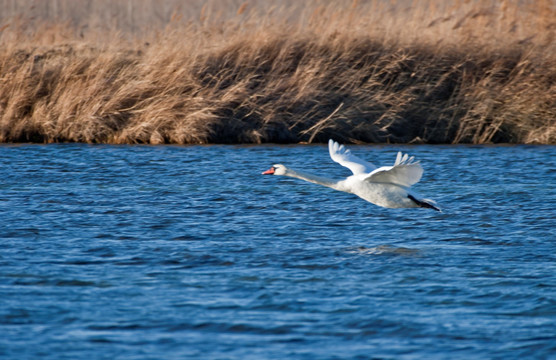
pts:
pixel 424 203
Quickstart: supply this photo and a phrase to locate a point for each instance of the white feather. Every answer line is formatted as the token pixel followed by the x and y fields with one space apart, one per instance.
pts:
pixel 405 172
pixel 344 157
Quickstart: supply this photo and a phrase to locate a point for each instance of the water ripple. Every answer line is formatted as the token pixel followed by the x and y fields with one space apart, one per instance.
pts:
pixel 187 252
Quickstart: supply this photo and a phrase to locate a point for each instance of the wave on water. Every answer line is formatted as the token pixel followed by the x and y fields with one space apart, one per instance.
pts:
pixel 385 250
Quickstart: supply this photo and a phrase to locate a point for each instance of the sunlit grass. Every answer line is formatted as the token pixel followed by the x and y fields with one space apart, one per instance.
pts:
pixel 227 72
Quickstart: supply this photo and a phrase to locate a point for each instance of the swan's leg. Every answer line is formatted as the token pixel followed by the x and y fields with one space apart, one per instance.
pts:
pixel 421 203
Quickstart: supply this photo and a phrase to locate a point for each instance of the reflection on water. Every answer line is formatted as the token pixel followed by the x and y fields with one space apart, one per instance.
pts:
pixel 188 252
pixel 386 250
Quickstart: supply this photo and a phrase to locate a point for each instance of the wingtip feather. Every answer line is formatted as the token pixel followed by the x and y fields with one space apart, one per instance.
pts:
pixel 404 159
pixel 331 146
pixel 398 158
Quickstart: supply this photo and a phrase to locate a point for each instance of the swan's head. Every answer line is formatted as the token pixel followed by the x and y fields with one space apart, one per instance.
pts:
pixel 277 169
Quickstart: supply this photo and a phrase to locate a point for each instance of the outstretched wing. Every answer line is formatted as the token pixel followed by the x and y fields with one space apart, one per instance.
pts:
pixel 344 157
pixel 405 172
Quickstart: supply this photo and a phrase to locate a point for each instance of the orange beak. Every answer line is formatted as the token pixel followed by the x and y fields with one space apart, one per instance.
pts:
pixel 269 171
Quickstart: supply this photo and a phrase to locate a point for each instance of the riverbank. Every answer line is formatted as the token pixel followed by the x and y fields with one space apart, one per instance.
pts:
pixel 360 72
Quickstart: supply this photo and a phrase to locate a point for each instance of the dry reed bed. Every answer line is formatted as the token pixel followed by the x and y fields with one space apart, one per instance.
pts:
pixel 359 72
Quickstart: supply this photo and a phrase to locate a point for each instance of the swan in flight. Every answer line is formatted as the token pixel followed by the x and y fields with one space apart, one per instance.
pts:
pixel 386 186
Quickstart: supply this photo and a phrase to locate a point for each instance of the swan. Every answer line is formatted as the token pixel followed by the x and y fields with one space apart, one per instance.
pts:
pixel 386 186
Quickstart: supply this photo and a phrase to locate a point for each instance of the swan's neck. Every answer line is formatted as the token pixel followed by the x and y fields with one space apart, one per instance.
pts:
pixel 312 178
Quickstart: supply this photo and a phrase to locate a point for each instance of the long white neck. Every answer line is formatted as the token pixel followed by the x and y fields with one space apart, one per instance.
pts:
pixel 311 178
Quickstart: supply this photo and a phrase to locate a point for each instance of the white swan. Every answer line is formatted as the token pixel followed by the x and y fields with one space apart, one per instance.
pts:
pixel 386 186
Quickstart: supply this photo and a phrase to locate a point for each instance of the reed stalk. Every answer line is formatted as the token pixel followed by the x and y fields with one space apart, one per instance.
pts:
pixel 423 71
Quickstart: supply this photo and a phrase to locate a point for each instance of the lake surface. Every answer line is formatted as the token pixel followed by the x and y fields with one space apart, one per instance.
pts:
pixel 169 252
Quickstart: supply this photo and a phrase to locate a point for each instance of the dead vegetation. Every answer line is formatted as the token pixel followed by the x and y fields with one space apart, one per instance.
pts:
pixel 223 72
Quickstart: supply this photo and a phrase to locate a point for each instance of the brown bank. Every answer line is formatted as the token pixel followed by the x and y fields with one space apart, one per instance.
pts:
pixel 215 72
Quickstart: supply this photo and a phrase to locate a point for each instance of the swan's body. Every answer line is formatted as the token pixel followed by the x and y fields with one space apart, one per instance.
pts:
pixel 386 186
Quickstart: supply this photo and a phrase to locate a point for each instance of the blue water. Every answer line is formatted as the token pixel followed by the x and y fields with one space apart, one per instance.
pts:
pixel 168 252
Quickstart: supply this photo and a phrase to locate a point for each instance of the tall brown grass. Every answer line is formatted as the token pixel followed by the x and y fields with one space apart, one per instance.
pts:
pixel 422 71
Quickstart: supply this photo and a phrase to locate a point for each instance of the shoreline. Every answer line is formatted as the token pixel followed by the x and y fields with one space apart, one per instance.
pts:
pixel 354 73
